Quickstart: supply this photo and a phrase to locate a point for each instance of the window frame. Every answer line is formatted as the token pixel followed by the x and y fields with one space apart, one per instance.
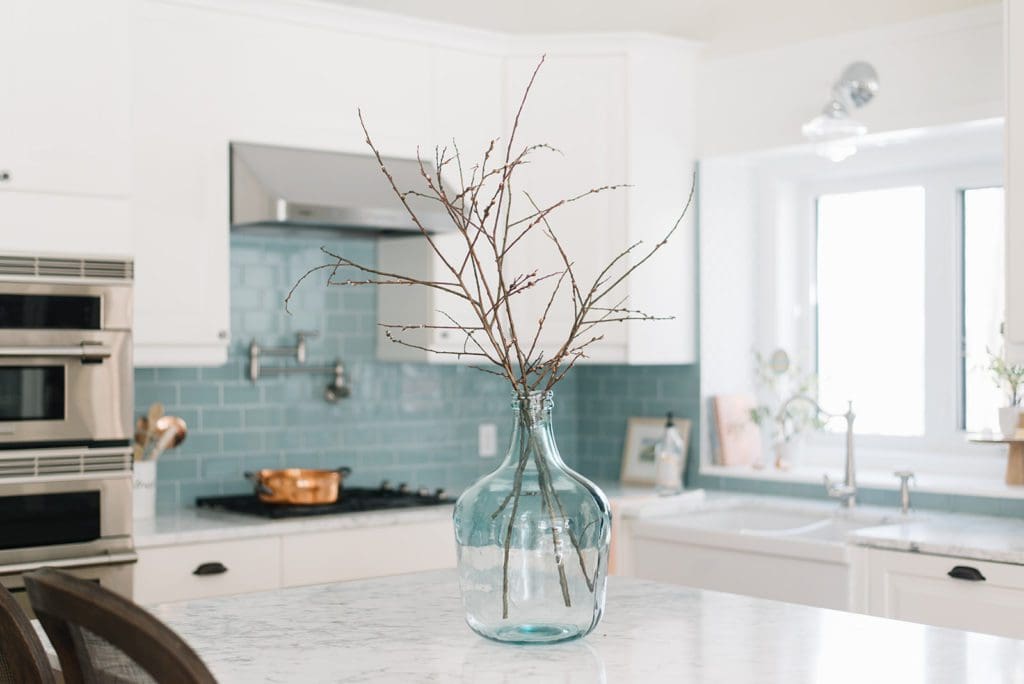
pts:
pixel 944 334
pixel 962 404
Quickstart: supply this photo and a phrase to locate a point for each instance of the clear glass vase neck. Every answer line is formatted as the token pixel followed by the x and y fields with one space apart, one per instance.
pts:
pixel 533 408
pixel 533 435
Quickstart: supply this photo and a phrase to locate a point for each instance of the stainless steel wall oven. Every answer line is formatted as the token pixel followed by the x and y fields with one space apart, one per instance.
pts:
pixel 66 403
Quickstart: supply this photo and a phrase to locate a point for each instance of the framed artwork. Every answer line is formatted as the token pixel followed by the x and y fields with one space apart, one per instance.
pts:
pixel 638 454
pixel 738 438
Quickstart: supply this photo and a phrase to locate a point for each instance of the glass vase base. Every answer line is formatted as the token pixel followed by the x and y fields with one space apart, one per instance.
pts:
pixel 531 634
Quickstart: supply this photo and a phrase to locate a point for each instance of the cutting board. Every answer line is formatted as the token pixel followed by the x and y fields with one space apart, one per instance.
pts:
pixel 738 436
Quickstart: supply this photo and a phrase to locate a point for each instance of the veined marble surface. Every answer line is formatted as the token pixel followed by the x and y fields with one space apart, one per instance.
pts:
pixel 948 534
pixel 976 537
pixel 966 536
pixel 190 525
pixel 410 629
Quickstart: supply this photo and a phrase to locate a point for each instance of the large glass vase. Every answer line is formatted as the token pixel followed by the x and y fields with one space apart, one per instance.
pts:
pixel 532 539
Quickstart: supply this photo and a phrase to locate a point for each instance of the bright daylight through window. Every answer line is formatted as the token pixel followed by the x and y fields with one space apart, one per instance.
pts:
pixel 871 307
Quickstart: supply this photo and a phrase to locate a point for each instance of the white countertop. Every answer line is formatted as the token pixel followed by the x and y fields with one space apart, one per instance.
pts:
pixel 948 534
pixel 977 537
pixel 410 629
pixel 193 525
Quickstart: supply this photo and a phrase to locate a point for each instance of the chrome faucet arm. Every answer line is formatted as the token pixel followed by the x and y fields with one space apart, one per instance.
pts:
pixel 848 490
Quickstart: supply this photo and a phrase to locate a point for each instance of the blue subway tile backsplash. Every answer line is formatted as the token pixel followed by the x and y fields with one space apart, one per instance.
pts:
pixel 414 423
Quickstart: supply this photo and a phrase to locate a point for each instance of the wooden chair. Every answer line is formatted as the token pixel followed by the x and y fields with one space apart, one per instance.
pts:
pixel 22 657
pixel 102 637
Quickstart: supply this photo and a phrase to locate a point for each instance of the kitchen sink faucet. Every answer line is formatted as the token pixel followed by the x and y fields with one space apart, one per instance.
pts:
pixel 846 492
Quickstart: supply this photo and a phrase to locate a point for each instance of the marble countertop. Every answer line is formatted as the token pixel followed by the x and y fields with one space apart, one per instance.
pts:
pixel 977 537
pixel 948 534
pixel 193 525
pixel 410 629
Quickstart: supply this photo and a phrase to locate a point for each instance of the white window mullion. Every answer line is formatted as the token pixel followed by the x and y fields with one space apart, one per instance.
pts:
pixel 942 309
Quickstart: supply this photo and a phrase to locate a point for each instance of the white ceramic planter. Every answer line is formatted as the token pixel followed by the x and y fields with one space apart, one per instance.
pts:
pixel 144 489
pixel 1009 420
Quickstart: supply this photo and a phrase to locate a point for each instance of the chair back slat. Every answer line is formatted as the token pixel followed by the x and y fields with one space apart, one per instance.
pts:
pixel 22 656
pixel 101 636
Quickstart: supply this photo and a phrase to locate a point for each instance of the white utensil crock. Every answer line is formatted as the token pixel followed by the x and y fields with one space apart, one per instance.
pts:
pixel 144 489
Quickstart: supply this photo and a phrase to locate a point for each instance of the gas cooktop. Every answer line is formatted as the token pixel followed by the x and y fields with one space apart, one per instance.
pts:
pixel 350 500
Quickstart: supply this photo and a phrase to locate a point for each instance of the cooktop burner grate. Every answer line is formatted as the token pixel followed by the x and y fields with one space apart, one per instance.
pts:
pixel 350 500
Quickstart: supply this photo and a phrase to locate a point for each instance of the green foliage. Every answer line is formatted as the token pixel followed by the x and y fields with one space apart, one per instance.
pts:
pixel 775 388
pixel 1006 375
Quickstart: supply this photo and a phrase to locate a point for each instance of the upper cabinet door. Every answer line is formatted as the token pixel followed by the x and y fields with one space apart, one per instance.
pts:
pixel 1014 45
pixel 65 118
pixel 577 105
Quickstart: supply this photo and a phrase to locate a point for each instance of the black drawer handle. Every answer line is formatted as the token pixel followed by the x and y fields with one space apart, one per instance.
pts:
pixel 214 568
pixel 966 572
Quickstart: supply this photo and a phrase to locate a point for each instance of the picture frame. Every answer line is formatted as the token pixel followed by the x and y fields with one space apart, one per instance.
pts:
pixel 642 434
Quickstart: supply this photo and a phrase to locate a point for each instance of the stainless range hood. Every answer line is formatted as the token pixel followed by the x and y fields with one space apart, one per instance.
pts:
pixel 291 190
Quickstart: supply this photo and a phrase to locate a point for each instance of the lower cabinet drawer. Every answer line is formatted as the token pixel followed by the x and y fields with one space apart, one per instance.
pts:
pixel 944 591
pixel 366 552
pixel 189 571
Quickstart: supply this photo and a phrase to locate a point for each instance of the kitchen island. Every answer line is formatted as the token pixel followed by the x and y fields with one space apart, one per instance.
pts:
pixel 410 628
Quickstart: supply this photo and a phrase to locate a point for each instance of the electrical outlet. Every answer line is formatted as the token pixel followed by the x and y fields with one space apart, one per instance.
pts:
pixel 487 440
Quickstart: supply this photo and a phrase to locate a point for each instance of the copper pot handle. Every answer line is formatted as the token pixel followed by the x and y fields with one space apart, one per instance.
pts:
pixel 261 488
pixel 344 471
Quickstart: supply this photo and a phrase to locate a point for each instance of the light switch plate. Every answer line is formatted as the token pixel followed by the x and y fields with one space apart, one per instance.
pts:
pixel 487 440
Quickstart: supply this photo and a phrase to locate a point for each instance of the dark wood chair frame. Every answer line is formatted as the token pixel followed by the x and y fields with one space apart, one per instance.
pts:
pixel 23 653
pixel 62 602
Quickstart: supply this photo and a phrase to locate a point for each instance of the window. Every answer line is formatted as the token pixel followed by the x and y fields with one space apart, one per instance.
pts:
pixel 983 305
pixel 870 281
pixel 908 286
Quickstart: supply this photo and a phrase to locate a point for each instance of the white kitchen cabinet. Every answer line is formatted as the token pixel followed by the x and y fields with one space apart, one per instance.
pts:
pixel 1014 136
pixel 65 127
pixel 182 265
pixel 618 111
pixel 66 117
pixel 341 555
pixel 191 571
pixel 205 78
pixel 578 105
pixel 917 587
pixel 118 114
pixel 471 123
pixel 766 575
pixel 288 555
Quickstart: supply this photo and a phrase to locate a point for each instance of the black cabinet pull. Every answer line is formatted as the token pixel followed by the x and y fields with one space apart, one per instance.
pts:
pixel 214 568
pixel 966 572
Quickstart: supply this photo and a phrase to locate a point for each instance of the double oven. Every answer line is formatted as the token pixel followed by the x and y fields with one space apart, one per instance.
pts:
pixel 66 395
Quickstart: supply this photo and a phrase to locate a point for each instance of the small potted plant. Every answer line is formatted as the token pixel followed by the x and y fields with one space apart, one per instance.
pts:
pixel 777 381
pixel 1009 377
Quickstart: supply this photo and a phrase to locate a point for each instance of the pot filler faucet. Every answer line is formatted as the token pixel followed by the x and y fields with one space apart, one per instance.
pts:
pixel 846 492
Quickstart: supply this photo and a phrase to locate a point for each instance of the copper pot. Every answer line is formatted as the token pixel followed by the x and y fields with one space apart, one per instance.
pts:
pixel 303 486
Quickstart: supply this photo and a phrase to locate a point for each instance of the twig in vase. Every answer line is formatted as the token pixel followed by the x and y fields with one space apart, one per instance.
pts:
pixel 480 274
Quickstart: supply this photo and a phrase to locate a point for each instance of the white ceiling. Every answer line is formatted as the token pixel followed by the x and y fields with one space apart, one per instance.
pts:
pixel 725 25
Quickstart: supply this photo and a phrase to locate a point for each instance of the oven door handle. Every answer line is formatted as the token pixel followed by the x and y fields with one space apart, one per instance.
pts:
pixel 85 351
pixel 81 562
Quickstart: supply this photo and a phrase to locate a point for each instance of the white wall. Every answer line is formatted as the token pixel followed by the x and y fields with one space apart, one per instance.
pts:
pixel 729 278
pixel 934 71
